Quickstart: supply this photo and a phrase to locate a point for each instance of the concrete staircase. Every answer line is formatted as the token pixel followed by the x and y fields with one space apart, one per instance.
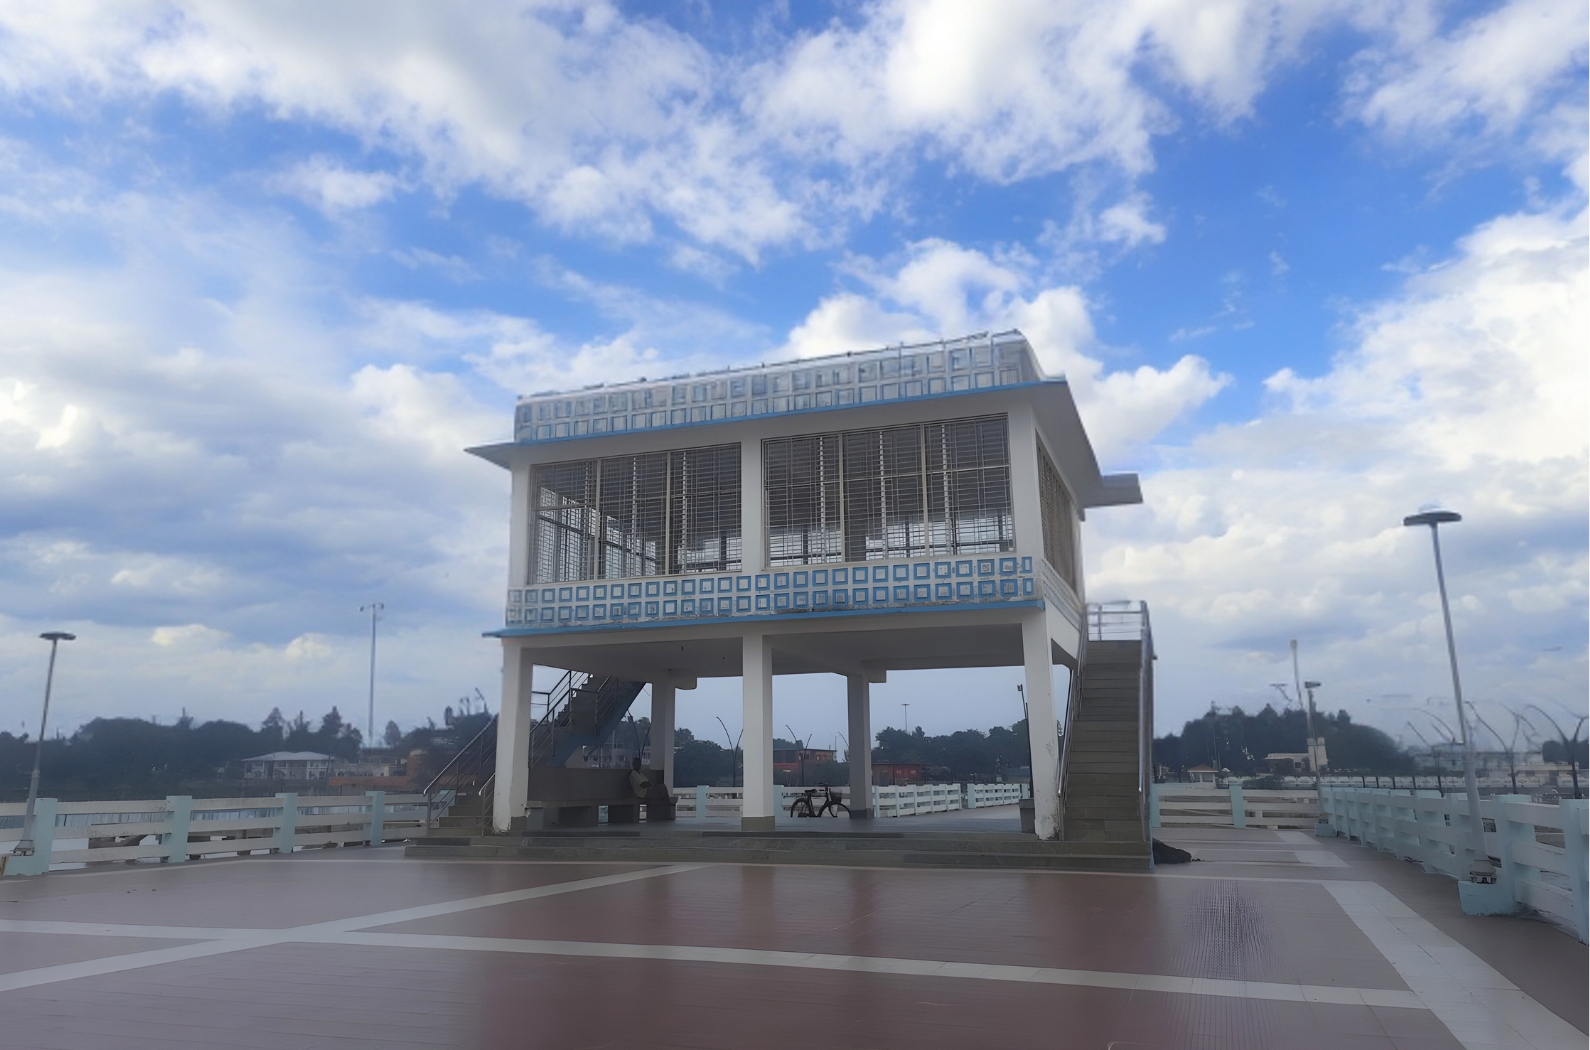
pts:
pixel 1101 778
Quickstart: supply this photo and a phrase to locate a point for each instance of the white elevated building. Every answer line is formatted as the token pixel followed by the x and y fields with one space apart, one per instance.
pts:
pixel 907 508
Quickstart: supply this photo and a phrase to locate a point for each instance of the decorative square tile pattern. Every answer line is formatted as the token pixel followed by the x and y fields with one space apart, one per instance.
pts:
pixel 901 585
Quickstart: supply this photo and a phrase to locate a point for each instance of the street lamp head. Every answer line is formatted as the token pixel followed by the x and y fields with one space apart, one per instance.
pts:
pixel 1433 518
pixel 1311 685
pixel 58 636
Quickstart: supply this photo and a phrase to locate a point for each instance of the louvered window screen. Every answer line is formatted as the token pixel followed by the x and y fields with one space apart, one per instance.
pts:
pixel 803 508
pixel 1056 509
pixel 940 488
pixel 660 513
pixel 704 510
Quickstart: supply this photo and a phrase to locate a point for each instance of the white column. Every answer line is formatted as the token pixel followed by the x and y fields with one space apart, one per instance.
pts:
pixel 858 696
pixel 753 521
pixel 662 731
pixel 1024 480
pixel 760 801
pixel 1041 727
pixel 519 527
pixel 514 720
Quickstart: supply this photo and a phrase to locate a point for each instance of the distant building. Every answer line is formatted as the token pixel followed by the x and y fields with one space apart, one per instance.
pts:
pixel 288 765
pixel 1202 774
pixel 791 759
pixel 899 772
pixel 1286 763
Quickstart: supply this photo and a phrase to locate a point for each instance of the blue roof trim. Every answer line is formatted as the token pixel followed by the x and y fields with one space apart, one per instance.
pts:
pixel 525 632
pixel 1029 384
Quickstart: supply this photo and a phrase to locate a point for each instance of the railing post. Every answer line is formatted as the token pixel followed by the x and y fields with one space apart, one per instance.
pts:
pixel 377 817
pixel 701 800
pixel 1573 811
pixel 1239 815
pixel 288 827
pixel 1512 873
pixel 38 862
pixel 179 811
pixel 1153 806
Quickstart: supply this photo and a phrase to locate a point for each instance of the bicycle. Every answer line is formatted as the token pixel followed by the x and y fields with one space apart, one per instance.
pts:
pixel 832 803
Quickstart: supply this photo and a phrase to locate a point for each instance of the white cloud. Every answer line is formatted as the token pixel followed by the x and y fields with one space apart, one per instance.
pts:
pixel 1486 77
pixel 942 289
pixel 333 189
pixel 622 128
pixel 191 634
pixel 1470 388
pixel 1015 88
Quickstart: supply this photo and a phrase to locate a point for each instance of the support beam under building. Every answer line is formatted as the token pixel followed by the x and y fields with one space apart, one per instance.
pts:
pixel 858 696
pixel 512 786
pixel 1042 735
pixel 758 806
pixel 662 731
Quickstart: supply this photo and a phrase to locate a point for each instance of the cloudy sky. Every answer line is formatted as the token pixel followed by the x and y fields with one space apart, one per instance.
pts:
pixel 266 269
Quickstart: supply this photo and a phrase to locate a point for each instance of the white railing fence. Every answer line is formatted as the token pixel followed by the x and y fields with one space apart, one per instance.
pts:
pixel 1539 850
pixel 898 801
pixel 1196 805
pixel 184 828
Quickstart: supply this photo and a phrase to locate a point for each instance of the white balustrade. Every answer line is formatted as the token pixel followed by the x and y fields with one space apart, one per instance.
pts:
pixel 1204 805
pixel 1540 850
pixel 887 801
pixel 184 828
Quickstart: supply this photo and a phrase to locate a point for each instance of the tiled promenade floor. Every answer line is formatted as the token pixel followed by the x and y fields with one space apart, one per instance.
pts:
pixel 1272 940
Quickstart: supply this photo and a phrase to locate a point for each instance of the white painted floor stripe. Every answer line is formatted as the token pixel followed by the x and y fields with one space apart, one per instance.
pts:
pixel 1293 993
pixel 214 941
pixel 1483 1009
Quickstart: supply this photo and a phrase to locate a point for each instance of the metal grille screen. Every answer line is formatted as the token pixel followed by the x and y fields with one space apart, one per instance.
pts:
pixel 660 513
pixel 1055 507
pixel 938 488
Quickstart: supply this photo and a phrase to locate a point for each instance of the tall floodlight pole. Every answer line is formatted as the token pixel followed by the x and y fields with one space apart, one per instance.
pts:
pixel 1480 869
pixel 24 848
pixel 1316 748
pixel 1308 714
pixel 374 609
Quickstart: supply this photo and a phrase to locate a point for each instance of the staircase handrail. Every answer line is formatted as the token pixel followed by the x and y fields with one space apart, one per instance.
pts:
pixel 1073 701
pixel 1124 621
pixel 1145 728
pixel 466 753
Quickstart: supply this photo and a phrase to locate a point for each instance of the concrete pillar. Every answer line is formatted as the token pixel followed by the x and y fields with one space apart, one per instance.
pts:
pixel 759 801
pixel 1574 850
pixel 377 817
pixel 37 862
pixel 287 829
pixel 753 523
pixel 1042 735
pixel 180 809
pixel 662 731
pixel 858 697
pixel 1239 809
pixel 514 719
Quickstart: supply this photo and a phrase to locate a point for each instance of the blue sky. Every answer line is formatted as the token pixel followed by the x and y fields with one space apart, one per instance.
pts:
pixel 264 272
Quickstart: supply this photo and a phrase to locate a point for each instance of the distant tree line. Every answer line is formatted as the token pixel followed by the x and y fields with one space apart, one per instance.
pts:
pixel 1238 741
pixel 967 755
pixel 118 758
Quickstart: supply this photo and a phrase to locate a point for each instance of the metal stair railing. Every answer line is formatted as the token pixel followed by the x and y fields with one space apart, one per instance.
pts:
pixel 474 766
pixel 1125 621
pixel 579 707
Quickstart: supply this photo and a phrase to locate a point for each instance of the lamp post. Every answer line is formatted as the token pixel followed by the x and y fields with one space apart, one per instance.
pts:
pixel 1480 869
pixel 1316 745
pixel 24 848
pixel 374 609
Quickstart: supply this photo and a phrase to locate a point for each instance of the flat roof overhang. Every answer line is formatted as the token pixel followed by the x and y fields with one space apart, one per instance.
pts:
pixel 867 644
pixel 1051 399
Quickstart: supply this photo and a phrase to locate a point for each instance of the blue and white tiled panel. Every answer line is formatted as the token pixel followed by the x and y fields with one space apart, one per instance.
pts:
pixel 859 379
pixel 839 588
